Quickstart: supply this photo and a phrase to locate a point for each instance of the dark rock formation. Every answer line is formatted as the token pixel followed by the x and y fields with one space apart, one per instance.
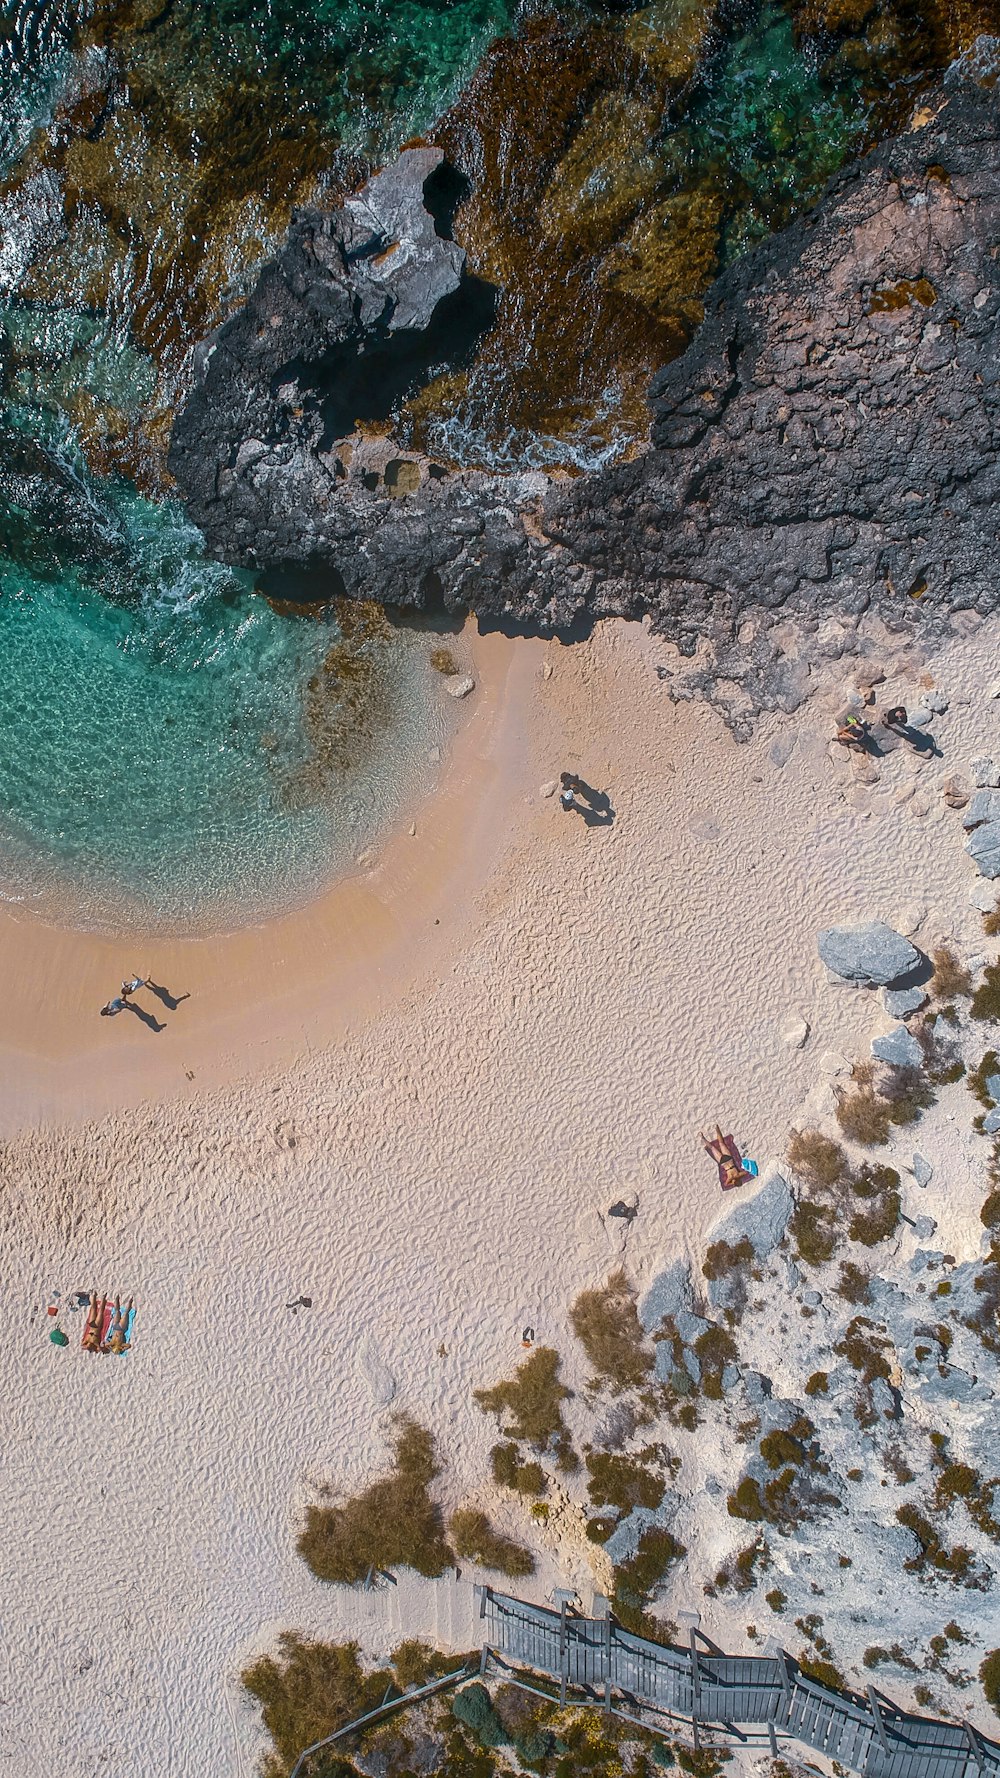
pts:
pixel 828 441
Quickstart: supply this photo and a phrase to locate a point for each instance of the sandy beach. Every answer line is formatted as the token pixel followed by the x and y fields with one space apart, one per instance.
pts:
pixel 414 1102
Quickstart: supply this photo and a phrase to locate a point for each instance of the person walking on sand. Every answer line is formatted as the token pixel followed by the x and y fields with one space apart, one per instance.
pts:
pixel 132 987
pixel 113 1006
pixel 569 784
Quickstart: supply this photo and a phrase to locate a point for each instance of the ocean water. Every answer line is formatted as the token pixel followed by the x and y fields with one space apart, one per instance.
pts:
pixel 174 751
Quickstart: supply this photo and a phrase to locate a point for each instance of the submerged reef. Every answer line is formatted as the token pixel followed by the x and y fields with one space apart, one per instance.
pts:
pixel 827 439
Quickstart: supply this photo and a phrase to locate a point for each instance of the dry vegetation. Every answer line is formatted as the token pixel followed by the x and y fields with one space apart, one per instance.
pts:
pixel 951 980
pixel 607 1325
pixel 473 1536
pixel 310 1690
pixel 532 1399
pixel 392 1524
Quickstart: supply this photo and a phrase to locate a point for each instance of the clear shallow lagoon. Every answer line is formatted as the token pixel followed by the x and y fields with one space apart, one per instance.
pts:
pixel 191 759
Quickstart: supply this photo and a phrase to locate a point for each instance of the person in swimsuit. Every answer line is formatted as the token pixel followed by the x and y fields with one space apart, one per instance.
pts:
pixel 113 1006
pixel 726 1156
pixel 852 732
pixel 117 1341
pixel 95 1322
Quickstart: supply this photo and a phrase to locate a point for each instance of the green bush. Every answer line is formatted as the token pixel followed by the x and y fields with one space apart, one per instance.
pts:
pixel 877 1224
pixel 473 1707
pixel 986 999
pixel 607 1325
pixel 811 1226
pixel 393 1524
pixel 533 1398
pixel 308 1692
pixel 621 1481
pixel 989 1679
pixel 864 1118
pixel 638 1578
pixel 724 1257
pixel 524 1478
pixel 818 1384
pixel 778 1448
pixel 745 1501
pixel 776 1599
pixel 474 1537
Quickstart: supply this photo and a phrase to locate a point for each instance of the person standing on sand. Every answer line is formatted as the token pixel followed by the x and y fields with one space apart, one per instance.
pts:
pixel 132 987
pixel 894 718
pixel 569 782
pixel 113 1006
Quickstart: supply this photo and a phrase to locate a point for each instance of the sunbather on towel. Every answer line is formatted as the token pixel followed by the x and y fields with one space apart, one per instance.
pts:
pixel 94 1329
pixel 117 1340
pixel 727 1158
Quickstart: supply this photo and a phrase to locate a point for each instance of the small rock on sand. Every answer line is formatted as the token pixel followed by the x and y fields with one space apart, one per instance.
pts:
pixel 922 1172
pixel 546 669
pixel 781 750
pixel 984 897
pixel 794 1033
pixel 899 1048
pixel 983 845
pixel 909 917
pixel 832 1062
pixel 991 1122
pixel 985 773
pixel 460 688
pixel 548 789
pixel 899 1003
pixel 872 954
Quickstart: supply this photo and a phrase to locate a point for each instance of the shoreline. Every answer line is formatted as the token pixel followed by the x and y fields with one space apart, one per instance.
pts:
pixel 260 996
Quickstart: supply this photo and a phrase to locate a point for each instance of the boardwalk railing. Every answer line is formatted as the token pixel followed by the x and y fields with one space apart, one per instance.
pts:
pixel 752 1697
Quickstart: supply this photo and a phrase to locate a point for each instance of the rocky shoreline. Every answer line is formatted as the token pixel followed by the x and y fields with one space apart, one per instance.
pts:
pixel 825 446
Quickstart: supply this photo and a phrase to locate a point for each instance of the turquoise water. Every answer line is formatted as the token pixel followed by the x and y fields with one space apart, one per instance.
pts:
pixel 162 759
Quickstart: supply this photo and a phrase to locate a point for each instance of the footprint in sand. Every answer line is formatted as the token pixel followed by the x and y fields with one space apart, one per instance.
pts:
pixel 376 1373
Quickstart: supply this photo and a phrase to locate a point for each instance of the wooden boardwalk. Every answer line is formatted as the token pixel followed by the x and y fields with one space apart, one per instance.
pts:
pixel 750 1696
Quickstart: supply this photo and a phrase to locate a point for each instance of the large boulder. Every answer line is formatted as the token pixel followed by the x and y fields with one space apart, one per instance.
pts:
pixel 761 1220
pixel 873 955
pixel 669 1294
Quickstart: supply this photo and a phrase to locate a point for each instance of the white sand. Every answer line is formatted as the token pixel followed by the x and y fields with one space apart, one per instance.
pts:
pixel 599 996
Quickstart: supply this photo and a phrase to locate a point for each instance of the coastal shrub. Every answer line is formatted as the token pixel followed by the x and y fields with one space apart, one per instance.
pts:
pixel 393 1524
pixel 986 999
pixel 745 1501
pixel 817 1159
pixel 823 1672
pixel 951 980
pixel 869 1227
pixel 957 1562
pixel 873 1178
pixel 776 1599
pixel 740 1572
pixel 724 1257
pixel 853 1284
pixel 510 1472
pixel 811 1226
pixel 472 1535
pixel 778 1448
pixel 415 1662
pixel 989 1679
pixel 989 1214
pixel 473 1706
pixel 864 1118
pixel 906 1093
pixel 310 1690
pixel 818 1384
pixel 607 1325
pixel 864 1349
pixel 637 1579
pixel 715 1348
pixel 444 662
pixel 600 1527
pixel 991 923
pixel 978 1077
pixel 532 1398
pixel 625 1482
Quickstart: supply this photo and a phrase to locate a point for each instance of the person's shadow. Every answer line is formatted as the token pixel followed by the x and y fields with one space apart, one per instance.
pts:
pixel 594 805
pixel 170 1001
pixel 146 1017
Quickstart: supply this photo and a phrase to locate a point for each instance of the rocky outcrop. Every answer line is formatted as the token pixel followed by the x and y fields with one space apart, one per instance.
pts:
pixel 827 442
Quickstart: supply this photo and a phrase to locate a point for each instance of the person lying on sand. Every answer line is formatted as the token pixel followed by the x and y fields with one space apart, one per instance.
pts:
pixel 117 1340
pixel 91 1341
pixel 727 1158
